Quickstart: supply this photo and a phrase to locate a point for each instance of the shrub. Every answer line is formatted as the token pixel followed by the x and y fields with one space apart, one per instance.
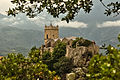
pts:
pixel 105 67
pixel 18 67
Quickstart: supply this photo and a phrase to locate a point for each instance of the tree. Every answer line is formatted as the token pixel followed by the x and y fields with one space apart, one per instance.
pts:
pixel 18 67
pixel 59 50
pixel 112 8
pixel 69 8
pixel 81 42
pixel 107 66
pixel 34 54
pixel 51 58
pixel 48 59
pixel 63 66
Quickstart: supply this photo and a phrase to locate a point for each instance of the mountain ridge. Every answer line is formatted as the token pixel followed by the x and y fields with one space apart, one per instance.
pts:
pixel 20 40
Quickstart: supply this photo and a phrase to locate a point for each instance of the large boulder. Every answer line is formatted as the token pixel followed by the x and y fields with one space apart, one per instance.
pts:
pixel 70 76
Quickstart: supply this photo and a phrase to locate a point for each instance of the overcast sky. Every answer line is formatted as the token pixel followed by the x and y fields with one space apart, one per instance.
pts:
pixel 4 5
pixel 95 18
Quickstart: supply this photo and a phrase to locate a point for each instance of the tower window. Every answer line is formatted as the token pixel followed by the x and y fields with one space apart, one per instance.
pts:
pixel 47 36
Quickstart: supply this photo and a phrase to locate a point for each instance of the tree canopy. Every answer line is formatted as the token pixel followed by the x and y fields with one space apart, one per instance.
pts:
pixel 18 67
pixel 69 8
pixel 107 66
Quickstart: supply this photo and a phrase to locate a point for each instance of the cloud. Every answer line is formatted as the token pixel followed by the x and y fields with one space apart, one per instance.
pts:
pixel 43 20
pixel 109 24
pixel 15 23
pixel 74 24
pixel 38 20
pixel 6 19
pixel 12 21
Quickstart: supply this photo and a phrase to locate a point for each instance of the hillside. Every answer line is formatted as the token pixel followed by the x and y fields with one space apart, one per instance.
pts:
pixel 21 40
pixel 99 35
pixel 18 40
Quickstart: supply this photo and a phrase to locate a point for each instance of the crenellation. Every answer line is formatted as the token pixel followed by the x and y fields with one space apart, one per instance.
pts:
pixel 51 27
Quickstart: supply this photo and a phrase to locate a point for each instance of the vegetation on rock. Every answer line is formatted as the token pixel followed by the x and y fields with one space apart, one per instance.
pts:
pixel 81 42
pixel 107 66
pixel 59 50
pixel 63 66
pixel 57 61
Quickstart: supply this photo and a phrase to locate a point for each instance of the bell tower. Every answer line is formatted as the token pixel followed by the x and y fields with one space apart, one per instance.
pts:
pixel 51 32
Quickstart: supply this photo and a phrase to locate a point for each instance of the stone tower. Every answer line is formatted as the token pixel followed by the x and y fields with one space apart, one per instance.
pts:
pixel 51 32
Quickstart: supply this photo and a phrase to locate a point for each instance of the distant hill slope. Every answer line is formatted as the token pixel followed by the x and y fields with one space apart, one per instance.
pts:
pixel 18 40
pixel 21 40
pixel 99 35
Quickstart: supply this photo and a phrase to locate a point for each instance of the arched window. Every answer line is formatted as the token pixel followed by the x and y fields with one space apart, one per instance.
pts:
pixel 47 36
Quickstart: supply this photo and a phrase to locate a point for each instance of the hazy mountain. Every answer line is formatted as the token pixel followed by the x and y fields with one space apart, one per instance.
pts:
pixel 99 35
pixel 19 40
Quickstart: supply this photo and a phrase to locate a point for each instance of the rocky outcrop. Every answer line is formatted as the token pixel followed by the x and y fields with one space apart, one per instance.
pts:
pixel 81 56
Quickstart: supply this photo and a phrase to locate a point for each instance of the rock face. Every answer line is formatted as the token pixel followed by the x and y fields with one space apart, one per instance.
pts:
pixel 77 55
pixel 81 56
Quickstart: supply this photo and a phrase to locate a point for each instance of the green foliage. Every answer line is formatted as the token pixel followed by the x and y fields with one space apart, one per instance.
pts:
pixel 74 42
pixel 119 40
pixel 63 66
pixel 86 43
pixel 112 8
pixel 54 7
pixel 47 55
pixel 51 58
pixel 107 66
pixel 59 50
pixel 81 42
pixel 18 67
pixel 57 61
pixel 34 55
pixel 47 59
